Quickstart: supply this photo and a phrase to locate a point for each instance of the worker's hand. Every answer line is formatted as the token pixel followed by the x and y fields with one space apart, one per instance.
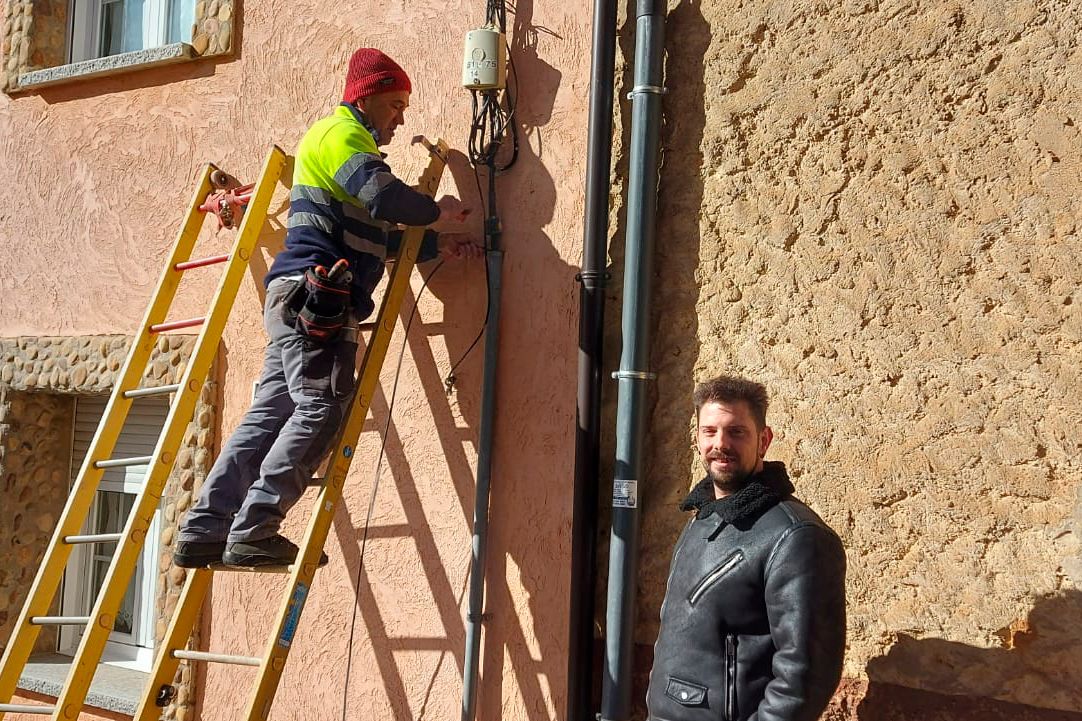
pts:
pixel 453 213
pixel 459 245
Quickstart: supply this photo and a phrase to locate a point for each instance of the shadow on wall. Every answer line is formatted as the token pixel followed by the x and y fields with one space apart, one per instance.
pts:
pixel 136 79
pixel 532 270
pixel 674 326
pixel 1037 668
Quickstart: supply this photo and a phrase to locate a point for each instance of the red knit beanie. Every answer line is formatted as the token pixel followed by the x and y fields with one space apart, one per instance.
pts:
pixel 371 73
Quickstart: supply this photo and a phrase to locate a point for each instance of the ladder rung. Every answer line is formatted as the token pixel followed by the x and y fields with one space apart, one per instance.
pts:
pixel 189 264
pixel 217 658
pixel 123 462
pixel 19 708
pixel 98 538
pixel 176 325
pixel 159 391
pixel 219 567
pixel 59 620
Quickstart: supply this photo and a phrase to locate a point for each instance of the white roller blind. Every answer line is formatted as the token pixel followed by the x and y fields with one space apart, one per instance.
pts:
pixel 138 437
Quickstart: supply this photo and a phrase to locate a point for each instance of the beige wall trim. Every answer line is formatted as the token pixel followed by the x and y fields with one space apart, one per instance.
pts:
pixel 111 65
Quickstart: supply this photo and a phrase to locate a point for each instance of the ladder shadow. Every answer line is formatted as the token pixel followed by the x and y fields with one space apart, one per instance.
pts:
pixel 350 532
pixel 506 632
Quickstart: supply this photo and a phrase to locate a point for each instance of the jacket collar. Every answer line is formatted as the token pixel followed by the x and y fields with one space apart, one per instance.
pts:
pixel 360 118
pixel 763 491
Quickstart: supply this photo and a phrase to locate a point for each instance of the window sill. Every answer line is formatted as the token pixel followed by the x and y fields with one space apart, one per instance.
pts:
pixel 113 689
pixel 111 65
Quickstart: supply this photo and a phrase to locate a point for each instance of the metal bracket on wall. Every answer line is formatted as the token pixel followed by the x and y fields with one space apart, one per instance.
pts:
pixel 652 89
pixel 635 375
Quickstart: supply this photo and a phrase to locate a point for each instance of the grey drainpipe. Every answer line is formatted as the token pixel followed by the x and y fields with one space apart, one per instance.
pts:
pixel 580 667
pixel 634 360
pixel 474 613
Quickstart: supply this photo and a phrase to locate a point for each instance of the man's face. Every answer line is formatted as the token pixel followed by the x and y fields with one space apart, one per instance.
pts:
pixel 385 112
pixel 730 444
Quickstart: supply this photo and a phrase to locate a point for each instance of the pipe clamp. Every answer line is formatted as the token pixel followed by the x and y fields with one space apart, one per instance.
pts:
pixel 653 89
pixel 588 275
pixel 635 375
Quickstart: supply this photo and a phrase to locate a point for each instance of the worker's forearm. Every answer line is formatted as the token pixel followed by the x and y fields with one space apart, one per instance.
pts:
pixel 396 202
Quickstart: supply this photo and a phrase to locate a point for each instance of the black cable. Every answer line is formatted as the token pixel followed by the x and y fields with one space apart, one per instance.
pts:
pixel 375 487
pixel 493 110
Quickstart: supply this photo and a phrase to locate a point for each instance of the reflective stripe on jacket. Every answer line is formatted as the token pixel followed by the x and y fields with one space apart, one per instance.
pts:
pixel 346 203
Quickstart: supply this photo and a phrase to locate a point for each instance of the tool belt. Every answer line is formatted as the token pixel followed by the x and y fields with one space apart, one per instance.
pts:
pixel 319 305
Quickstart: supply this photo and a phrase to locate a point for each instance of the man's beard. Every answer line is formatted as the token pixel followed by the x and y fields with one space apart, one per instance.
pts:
pixel 729 482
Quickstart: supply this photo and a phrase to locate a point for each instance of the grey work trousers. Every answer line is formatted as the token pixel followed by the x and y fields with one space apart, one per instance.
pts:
pixel 304 391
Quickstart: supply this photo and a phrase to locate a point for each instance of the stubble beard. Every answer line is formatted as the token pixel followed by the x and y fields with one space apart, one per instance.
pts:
pixel 728 483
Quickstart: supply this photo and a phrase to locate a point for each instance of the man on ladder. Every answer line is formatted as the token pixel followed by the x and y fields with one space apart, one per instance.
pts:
pixel 344 208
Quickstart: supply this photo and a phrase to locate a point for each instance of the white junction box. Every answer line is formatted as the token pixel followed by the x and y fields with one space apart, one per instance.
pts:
pixel 484 62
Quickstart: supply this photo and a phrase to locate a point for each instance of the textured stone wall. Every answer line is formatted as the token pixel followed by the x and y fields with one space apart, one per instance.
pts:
pixel 871 206
pixel 35 448
pixel 48 46
pixel 33 35
pixel 39 378
pixel 212 32
pixel 194 460
pixel 15 44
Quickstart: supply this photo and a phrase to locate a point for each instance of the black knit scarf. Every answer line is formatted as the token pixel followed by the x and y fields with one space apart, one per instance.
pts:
pixel 763 491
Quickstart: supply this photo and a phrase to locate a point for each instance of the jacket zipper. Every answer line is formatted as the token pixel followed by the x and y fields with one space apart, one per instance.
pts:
pixel 730 677
pixel 706 583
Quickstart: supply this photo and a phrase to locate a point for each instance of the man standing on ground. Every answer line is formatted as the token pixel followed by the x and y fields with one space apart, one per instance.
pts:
pixel 753 622
pixel 345 205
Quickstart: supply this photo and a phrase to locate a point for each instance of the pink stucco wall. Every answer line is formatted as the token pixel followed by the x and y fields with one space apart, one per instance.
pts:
pixel 97 176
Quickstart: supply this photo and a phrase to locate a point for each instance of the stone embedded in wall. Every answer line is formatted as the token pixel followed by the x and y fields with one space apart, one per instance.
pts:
pixel 34 35
pixel 191 468
pixel 212 31
pixel 35 435
pixel 48 45
pixel 14 41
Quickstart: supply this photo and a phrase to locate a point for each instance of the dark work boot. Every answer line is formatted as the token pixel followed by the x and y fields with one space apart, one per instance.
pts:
pixel 273 551
pixel 198 554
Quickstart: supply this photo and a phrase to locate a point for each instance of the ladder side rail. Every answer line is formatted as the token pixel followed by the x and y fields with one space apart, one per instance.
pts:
pixel 71 699
pixel 47 580
pixel 180 630
pixel 303 570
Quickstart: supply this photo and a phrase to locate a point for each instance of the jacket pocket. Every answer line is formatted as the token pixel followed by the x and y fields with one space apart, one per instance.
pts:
pixel 730 678
pixel 685 693
pixel 714 576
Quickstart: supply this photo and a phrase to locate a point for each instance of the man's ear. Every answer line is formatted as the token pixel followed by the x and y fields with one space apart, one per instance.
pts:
pixel 765 437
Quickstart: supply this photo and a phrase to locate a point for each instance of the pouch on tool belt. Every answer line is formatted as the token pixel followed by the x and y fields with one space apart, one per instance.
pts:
pixel 325 307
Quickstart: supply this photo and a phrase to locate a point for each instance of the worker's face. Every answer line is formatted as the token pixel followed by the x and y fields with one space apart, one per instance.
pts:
pixel 730 444
pixel 385 112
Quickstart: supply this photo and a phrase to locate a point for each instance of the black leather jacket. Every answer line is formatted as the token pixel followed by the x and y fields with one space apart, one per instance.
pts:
pixel 753 622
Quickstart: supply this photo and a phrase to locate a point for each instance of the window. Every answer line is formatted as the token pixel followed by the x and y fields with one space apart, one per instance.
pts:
pixel 108 27
pixel 131 643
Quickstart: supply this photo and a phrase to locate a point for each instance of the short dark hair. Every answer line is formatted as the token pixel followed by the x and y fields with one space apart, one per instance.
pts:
pixel 726 389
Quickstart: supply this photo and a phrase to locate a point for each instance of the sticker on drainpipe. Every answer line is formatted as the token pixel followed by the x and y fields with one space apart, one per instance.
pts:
pixel 625 494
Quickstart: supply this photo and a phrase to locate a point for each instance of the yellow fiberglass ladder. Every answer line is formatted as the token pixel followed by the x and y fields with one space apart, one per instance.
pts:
pixel 160 691
pixel 99 624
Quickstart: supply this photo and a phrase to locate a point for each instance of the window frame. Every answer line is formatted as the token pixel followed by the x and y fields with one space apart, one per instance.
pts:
pixel 133 650
pixel 85 30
